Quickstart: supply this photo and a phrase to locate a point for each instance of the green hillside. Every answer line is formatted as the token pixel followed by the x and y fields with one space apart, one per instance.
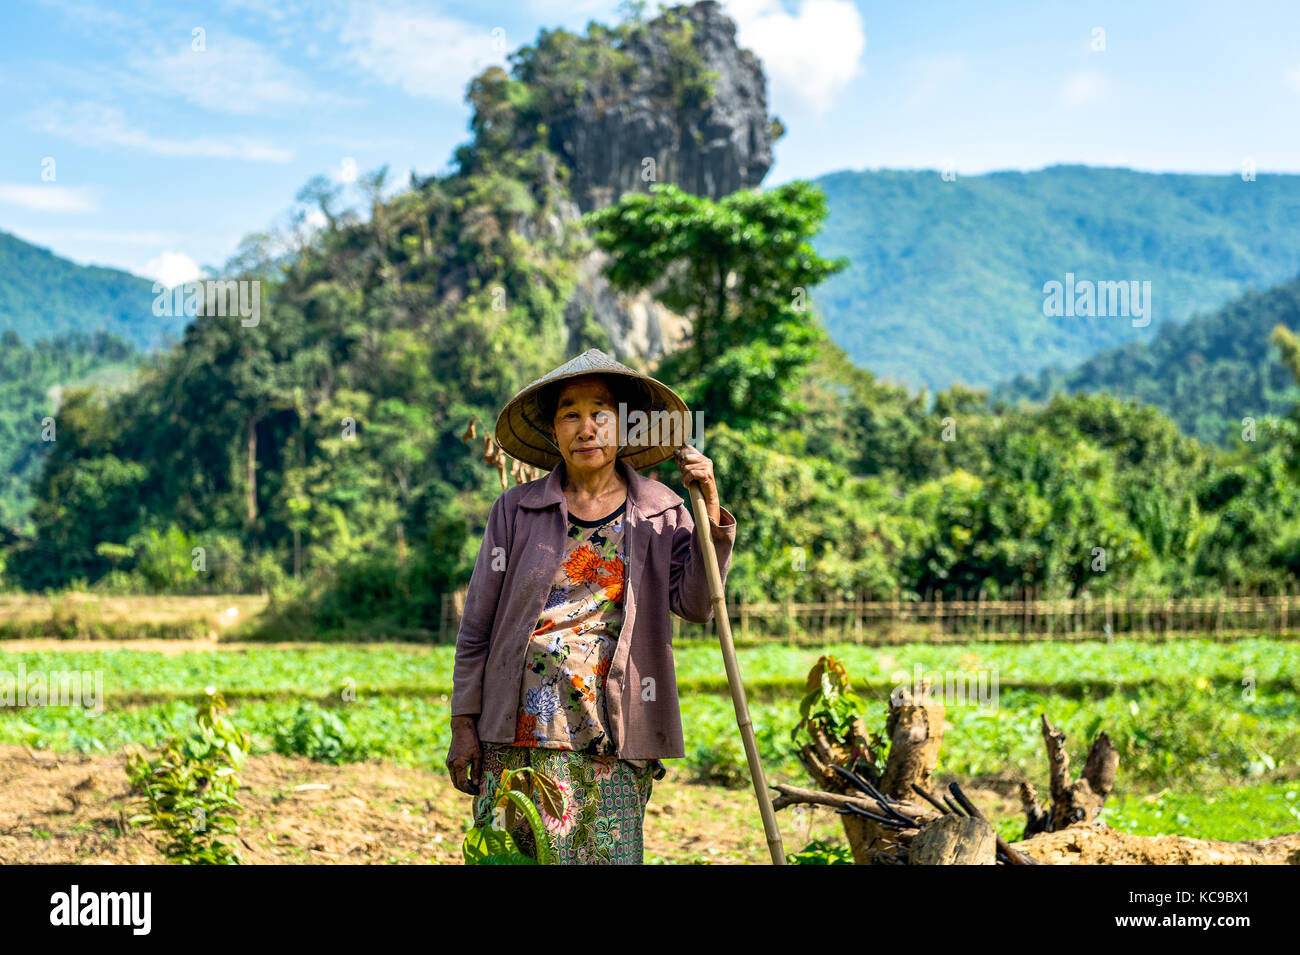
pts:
pixel 947 277
pixel 1207 373
pixel 42 295
pixel 33 379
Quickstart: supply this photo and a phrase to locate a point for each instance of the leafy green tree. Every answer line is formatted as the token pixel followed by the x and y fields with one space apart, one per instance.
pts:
pixel 743 268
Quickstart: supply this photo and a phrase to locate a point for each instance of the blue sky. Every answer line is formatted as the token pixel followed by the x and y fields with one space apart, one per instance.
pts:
pixel 165 155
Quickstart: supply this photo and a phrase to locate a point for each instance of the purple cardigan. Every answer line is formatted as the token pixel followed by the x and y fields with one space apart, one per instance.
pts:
pixel 521 551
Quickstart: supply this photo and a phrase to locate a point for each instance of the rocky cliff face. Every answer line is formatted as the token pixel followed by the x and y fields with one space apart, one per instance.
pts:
pixel 620 136
pixel 638 328
pixel 656 129
pixel 669 100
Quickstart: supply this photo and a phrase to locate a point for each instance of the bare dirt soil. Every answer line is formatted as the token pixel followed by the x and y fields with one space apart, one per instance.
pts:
pixel 1100 845
pixel 62 808
pixel 73 809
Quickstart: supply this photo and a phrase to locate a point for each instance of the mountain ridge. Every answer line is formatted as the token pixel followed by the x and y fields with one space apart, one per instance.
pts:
pixel 1207 373
pixel 938 265
pixel 44 294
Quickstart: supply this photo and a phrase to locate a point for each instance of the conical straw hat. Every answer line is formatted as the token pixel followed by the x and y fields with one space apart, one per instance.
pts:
pixel 522 433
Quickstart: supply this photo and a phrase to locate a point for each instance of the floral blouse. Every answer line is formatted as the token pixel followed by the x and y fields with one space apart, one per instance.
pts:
pixel 562 698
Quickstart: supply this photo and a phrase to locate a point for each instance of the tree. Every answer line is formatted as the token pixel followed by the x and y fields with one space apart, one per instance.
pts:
pixel 743 269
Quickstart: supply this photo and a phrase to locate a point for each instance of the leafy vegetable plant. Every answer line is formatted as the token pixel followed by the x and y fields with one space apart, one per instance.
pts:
pixel 191 791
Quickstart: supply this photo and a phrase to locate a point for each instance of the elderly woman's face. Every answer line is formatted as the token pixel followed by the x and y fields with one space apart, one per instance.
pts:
pixel 586 425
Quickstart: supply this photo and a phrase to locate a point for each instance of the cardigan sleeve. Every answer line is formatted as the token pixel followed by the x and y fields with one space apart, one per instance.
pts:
pixel 688 579
pixel 475 633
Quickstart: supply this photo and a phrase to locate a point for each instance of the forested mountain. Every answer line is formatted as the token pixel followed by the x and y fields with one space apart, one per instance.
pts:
pixel 332 427
pixel 324 454
pixel 42 295
pixel 32 380
pixel 946 282
pixel 1207 373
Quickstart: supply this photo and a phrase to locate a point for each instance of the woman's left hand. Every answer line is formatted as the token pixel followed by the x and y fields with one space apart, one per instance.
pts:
pixel 696 468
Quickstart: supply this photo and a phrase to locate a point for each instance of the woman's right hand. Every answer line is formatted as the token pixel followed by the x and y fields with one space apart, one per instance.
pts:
pixel 465 756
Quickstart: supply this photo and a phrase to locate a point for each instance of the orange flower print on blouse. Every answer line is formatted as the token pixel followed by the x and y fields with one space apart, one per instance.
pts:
pixel 562 695
pixel 611 579
pixel 585 690
pixel 583 565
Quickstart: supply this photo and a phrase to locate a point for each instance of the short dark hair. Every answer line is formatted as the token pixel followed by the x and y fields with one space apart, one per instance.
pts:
pixel 625 391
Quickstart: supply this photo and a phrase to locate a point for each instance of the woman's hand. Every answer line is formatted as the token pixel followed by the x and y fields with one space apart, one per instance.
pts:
pixel 696 468
pixel 464 756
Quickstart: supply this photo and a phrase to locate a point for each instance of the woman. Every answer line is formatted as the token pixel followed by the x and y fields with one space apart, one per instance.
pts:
pixel 564 658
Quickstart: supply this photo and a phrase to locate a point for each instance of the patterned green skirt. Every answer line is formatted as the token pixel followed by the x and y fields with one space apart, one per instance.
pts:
pixel 604 803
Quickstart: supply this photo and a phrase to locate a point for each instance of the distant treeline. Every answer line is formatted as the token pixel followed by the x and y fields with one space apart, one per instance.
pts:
pixel 31 378
pixel 1207 374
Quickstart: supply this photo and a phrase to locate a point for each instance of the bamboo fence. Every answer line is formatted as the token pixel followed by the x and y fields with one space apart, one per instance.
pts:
pixel 1027 618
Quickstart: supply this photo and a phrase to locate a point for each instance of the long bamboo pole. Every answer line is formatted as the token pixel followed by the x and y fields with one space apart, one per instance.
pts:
pixel 733 676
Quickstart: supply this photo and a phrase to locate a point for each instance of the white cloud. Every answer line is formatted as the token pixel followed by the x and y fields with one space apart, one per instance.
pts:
pixel 933 78
pixel 231 75
pixel 814 53
pixel 172 269
pixel 1086 86
pixel 48 198
pixel 420 53
pixel 93 124
pixel 347 171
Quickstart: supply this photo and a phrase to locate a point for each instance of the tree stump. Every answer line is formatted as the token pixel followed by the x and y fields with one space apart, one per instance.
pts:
pixel 915 730
pixel 954 840
pixel 1079 801
pixel 891 818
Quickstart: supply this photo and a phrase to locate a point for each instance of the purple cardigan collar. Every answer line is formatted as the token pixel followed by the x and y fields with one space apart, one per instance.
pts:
pixel 645 495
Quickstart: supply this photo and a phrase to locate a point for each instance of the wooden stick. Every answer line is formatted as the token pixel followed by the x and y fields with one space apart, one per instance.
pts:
pixel 796 796
pixel 930 799
pixel 746 726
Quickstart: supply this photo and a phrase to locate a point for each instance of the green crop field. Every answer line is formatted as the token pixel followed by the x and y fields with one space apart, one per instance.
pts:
pixel 1208 732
